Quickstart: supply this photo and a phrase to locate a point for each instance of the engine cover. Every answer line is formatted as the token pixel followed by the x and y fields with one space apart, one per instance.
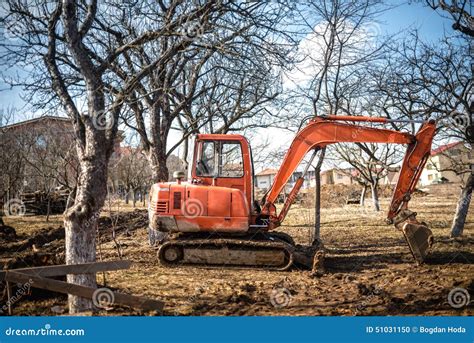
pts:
pixel 185 207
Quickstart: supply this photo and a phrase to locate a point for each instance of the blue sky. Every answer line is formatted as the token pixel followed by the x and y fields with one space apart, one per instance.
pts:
pixel 397 20
pixel 430 23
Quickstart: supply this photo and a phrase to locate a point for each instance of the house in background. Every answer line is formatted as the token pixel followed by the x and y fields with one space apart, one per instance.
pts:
pixel 337 176
pixel 391 178
pixel 39 154
pixel 434 171
pixel 264 179
pixel 441 159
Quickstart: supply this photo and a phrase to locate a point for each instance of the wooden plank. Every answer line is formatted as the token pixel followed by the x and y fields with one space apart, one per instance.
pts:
pixel 83 291
pixel 9 296
pixel 64 269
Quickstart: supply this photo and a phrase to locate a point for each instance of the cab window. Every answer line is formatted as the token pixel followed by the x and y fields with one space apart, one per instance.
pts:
pixel 230 161
pixel 205 163
pixel 220 159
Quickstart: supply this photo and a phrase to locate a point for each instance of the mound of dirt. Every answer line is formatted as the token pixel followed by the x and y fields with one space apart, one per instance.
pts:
pixel 51 240
pixel 7 233
pixel 46 247
pixel 122 222
pixel 41 239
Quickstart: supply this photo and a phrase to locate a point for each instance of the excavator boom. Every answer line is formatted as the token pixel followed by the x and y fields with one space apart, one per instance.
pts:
pixel 323 131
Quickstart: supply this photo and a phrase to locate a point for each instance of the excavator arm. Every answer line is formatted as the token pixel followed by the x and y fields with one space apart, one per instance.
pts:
pixel 323 131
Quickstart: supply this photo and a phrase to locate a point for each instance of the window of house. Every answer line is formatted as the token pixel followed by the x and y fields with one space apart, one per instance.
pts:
pixel 340 176
pixel 430 177
pixel 41 141
pixel 454 152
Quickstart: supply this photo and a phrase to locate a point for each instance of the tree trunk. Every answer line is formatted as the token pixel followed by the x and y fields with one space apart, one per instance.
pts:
pixel 81 224
pixel 48 208
pixel 71 197
pixel 362 196
pixel 375 197
pixel 127 196
pixel 134 198
pixel 316 234
pixel 184 155
pixel 462 208
pixel 157 159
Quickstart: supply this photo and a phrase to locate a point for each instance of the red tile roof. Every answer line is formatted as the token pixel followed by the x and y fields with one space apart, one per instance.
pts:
pixel 268 171
pixel 443 148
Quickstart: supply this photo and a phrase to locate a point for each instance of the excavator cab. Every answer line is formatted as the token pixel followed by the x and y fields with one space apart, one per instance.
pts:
pixel 223 161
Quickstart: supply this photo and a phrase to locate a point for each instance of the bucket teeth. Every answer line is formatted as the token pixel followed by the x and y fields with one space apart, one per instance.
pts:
pixel 419 238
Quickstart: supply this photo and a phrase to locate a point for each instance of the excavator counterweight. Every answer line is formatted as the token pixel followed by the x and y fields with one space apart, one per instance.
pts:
pixel 217 222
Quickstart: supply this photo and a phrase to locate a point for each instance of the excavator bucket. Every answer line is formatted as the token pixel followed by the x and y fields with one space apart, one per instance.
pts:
pixel 419 238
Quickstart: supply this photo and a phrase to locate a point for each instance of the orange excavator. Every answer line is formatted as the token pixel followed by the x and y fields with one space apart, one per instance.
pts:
pixel 213 218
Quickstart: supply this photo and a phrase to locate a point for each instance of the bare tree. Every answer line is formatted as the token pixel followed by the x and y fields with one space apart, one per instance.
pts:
pixel 340 38
pixel 372 166
pixel 11 163
pixel 421 80
pixel 221 82
pixel 75 47
pixel 130 172
pixel 459 11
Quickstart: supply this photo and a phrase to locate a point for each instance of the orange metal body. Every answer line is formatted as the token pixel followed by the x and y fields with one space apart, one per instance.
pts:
pixel 322 132
pixel 225 204
pixel 187 207
pixel 206 203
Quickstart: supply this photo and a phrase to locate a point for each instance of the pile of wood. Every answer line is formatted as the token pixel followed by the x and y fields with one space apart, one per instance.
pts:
pixel 42 203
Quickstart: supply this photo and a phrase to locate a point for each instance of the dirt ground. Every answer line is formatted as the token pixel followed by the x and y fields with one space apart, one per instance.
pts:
pixel 369 268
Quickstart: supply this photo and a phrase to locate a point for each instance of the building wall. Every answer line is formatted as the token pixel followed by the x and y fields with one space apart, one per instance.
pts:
pixel 333 176
pixel 434 170
pixel 264 181
pixel 44 155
